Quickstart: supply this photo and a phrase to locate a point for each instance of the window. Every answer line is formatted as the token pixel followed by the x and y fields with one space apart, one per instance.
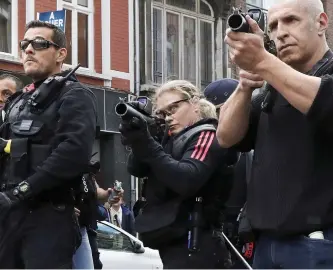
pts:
pixel 79 32
pixel 110 238
pixel 5 26
pixel 182 41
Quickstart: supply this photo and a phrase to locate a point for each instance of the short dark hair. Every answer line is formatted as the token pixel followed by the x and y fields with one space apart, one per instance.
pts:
pixel 19 84
pixel 58 36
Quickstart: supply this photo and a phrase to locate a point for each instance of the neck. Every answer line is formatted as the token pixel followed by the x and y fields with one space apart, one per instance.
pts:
pixel 45 76
pixel 116 207
pixel 317 56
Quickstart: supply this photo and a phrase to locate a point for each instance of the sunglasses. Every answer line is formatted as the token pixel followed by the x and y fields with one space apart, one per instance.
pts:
pixel 37 44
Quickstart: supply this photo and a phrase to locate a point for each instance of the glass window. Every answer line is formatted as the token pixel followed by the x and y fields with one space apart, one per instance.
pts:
pixel 83 3
pixel 5 26
pixel 78 32
pixel 204 9
pixel 190 49
pixel 68 33
pixel 157 46
pixel 206 53
pixel 172 46
pixel 110 238
pixel 182 42
pixel 185 4
pixel 82 37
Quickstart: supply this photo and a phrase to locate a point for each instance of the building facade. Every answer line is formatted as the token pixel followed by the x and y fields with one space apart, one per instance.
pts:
pixel 100 36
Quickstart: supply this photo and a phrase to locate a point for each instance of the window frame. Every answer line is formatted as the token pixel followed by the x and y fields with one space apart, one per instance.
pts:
pixel 198 17
pixel 14 33
pixel 90 11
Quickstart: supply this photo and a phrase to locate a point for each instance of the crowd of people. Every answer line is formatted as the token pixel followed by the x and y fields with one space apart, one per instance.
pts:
pixel 236 180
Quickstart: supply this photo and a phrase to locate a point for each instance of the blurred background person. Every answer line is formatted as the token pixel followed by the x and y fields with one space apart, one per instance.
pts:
pixel 117 213
pixel 9 84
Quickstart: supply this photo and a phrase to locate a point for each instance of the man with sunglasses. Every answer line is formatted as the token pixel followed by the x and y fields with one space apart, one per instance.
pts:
pixel 48 134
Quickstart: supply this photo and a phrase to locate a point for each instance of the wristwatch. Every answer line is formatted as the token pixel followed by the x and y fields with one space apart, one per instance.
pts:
pixel 22 188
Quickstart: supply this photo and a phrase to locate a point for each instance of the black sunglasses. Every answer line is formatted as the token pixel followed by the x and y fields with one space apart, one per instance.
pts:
pixel 37 44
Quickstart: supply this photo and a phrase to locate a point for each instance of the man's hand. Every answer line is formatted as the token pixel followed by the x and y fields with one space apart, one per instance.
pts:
pixel 102 194
pixel 116 199
pixel 247 49
pixel 249 81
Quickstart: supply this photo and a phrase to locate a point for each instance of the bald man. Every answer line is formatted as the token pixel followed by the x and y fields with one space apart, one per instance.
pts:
pixel 290 194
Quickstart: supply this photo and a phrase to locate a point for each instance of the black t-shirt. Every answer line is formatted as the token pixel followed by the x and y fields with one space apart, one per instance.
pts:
pixel 291 189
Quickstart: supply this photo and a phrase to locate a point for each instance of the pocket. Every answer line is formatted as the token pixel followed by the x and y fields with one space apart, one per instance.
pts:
pixel 38 154
pixel 26 128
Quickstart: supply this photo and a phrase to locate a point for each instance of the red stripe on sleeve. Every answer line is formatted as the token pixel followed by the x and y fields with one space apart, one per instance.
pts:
pixel 202 145
pixel 196 148
pixel 207 147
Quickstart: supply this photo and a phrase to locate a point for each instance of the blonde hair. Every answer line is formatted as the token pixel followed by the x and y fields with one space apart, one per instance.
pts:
pixel 189 91
pixel 207 109
pixel 185 88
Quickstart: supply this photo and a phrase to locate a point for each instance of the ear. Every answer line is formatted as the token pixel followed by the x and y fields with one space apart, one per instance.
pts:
pixel 322 22
pixel 62 53
pixel 196 103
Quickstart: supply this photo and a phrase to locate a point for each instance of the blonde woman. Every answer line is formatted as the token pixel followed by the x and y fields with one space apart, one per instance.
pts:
pixel 187 182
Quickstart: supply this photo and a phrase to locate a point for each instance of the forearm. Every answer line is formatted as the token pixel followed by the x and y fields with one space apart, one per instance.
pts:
pixel 234 118
pixel 297 88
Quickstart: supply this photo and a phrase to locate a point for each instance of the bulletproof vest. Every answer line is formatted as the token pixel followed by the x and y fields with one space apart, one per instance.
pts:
pixel 180 143
pixel 33 130
pixel 215 192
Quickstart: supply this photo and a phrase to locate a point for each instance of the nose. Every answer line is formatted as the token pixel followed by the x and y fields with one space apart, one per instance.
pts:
pixel 282 32
pixel 29 49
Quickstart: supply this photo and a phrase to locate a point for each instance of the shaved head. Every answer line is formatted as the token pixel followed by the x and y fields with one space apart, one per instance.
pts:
pixel 312 7
pixel 298 29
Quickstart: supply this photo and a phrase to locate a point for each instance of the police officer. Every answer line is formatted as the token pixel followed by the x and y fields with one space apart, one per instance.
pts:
pixel 47 142
pixel 188 181
pixel 218 92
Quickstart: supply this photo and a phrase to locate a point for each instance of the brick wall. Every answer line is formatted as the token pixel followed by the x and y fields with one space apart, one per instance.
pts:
pixel 45 5
pixel 98 35
pixel 119 36
pixel 119 30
